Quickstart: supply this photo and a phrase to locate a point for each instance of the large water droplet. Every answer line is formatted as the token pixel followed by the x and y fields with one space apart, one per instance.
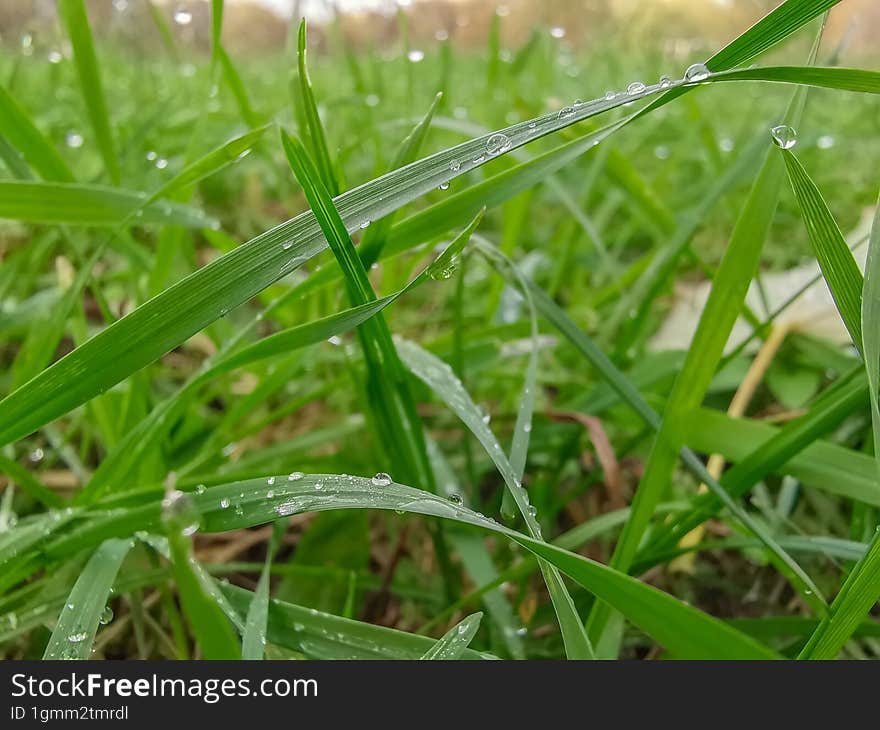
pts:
pixel 455 498
pixel 182 16
pixel 497 143
pixel 381 479
pixel 179 513
pixel 784 136
pixel 636 87
pixel 106 616
pixel 697 72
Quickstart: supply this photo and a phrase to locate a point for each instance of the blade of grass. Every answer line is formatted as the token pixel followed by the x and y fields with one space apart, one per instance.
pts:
pixel 20 131
pixel 453 643
pixel 838 265
pixel 253 641
pixel 90 205
pixel 74 633
pixel 75 19
pixel 320 150
pixel 438 376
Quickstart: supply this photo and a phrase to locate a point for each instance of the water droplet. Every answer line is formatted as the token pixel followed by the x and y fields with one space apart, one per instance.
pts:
pixel 565 112
pixel 697 72
pixel 610 95
pixel 825 142
pixel 497 143
pixel 365 225
pixel 27 44
pixel 161 163
pixel 455 166
pixel 726 144
pixel 201 489
pixel 381 479
pixel 665 82
pixel 522 631
pixel 270 494
pixel 372 100
pixel 444 186
pixel 120 6
pixel 784 136
pixel 415 55
pixel 287 245
pixel 636 87
pixel 270 481
pixel 106 616
pixel 295 476
pixel 73 139
pixel 36 455
pixel 54 57
pixel 179 512
pixel 557 31
pixel 182 16
pixel 446 272
pixel 78 638
pixel 319 486
pixel 224 503
pixel 455 498
pixel 532 510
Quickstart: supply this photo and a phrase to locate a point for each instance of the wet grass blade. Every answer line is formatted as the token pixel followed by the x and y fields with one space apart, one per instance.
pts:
pixel 86 605
pixel 838 265
pixel 453 643
pixel 76 21
pixel 253 640
pixel 438 376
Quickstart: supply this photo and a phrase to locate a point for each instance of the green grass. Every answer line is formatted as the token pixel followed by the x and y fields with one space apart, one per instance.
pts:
pixel 291 346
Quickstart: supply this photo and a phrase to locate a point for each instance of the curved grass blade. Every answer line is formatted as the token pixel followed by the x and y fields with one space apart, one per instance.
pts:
pixel 90 205
pixel 439 377
pixel 73 15
pixel 249 503
pixel 20 131
pixel 453 643
pixel 680 628
pixel 74 633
